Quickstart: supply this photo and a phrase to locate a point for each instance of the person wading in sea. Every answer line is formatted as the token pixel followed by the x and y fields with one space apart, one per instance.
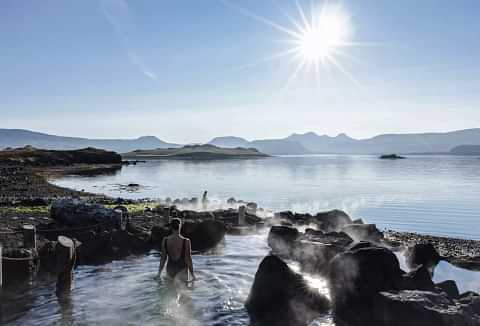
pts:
pixel 177 254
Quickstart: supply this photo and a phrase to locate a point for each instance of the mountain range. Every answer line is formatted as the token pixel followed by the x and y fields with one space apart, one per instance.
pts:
pixel 310 142
pixel 21 137
pixel 294 144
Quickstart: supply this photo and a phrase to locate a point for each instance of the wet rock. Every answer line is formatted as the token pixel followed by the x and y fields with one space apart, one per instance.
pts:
pixel 76 213
pixel 231 201
pixel 281 238
pixel 418 279
pixel 95 247
pixel 313 233
pixel 204 235
pixel 157 234
pixel 363 232
pixel 281 297
pixel 449 287
pixel 355 277
pixel 331 221
pixel 422 254
pixel 123 243
pixel 422 308
pixel 314 256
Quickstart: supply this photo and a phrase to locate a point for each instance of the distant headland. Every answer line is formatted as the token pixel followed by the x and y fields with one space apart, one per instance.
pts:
pixel 196 152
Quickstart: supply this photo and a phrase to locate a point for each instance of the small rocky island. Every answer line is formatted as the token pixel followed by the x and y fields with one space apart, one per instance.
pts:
pixel 391 157
pixel 196 152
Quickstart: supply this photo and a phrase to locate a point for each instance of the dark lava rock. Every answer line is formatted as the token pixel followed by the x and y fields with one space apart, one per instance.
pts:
pixel 422 254
pixel 363 232
pixel 157 234
pixel 314 256
pixel 449 287
pixel 124 243
pixel 356 276
pixel 418 279
pixel 281 238
pixel 330 221
pixel 204 235
pixel 423 308
pixel 281 297
pixel 76 213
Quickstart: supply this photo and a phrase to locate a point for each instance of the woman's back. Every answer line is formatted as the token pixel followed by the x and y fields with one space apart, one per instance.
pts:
pixel 175 246
pixel 177 253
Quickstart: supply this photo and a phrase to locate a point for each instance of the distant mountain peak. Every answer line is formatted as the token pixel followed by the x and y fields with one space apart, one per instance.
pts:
pixel 150 138
pixel 343 136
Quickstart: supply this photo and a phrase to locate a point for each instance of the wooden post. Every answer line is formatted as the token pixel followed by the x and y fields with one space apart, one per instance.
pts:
pixel 29 237
pixel 241 215
pixel 120 219
pixel 65 253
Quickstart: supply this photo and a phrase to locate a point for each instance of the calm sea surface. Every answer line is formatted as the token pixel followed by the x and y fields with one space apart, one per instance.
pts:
pixel 430 194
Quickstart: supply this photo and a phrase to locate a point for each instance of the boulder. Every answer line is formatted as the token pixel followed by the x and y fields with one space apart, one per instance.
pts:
pixel 281 238
pixel 422 308
pixel 422 254
pixel 75 213
pixel 449 287
pixel 355 277
pixel 281 297
pixel 95 247
pixel 204 235
pixel 363 232
pixel 314 256
pixel 124 243
pixel 157 234
pixel 418 279
pixel 333 220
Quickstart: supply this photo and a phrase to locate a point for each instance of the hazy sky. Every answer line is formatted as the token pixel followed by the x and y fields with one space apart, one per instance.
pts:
pixel 186 71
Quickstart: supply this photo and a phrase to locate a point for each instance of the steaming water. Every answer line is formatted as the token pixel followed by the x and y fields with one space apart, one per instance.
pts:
pixel 436 195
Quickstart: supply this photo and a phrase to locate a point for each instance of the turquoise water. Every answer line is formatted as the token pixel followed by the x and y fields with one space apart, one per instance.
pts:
pixel 438 195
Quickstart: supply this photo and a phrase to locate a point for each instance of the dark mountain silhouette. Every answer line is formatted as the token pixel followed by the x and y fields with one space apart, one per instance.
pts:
pixel 21 138
pixel 466 150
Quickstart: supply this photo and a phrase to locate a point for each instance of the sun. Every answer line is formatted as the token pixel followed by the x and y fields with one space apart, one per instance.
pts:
pixel 317 37
pixel 326 32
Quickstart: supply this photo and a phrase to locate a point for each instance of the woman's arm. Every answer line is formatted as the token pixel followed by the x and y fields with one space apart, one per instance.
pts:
pixel 188 258
pixel 163 259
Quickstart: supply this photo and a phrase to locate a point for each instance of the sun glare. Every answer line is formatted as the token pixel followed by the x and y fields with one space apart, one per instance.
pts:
pixel 316 38
pixel 324 34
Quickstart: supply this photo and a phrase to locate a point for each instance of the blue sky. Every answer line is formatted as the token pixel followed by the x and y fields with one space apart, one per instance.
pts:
pixel 187 71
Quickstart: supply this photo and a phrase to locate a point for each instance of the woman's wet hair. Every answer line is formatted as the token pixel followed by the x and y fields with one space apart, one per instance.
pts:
pixel 175 224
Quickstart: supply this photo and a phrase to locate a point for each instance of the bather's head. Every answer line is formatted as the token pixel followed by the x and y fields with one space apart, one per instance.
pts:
pixel 176 224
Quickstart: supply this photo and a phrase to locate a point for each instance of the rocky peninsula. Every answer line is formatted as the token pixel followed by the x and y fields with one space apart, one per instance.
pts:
pixel 196 152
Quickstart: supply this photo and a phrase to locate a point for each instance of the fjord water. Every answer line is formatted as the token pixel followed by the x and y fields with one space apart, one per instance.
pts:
pixel 437 195
pixel 430 194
